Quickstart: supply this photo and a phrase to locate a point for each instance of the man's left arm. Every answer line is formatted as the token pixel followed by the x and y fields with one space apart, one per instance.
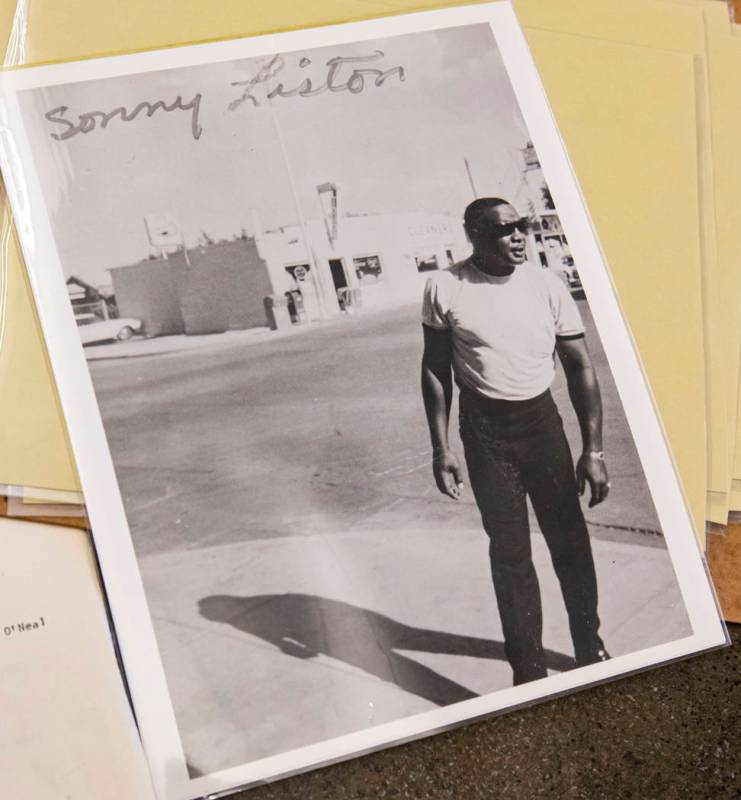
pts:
pixel 585 397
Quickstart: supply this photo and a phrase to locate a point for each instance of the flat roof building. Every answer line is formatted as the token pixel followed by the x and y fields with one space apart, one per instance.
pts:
pixel 384 256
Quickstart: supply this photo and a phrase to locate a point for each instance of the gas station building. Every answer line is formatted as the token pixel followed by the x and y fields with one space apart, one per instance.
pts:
pixel 367 260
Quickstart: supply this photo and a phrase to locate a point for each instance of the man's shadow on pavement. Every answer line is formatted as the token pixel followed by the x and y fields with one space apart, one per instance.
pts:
pixel 304 626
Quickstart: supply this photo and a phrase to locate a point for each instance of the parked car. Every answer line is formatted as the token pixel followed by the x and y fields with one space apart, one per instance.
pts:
pixel 94 330
pixel 570 276
pixel 573 281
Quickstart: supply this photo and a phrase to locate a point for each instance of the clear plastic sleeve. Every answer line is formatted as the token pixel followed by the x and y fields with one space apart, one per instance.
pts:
pixel 241 234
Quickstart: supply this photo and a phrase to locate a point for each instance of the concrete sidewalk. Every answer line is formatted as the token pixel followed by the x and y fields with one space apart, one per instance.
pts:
pixel 160 345
pixel 305 576
pixel 139 346
pixel 276 643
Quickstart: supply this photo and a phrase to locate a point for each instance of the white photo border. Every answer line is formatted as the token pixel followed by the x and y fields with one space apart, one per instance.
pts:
pixel 134 629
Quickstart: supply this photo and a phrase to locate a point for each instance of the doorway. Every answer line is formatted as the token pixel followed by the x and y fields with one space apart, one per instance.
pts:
pixel 339 279
pixel 338 273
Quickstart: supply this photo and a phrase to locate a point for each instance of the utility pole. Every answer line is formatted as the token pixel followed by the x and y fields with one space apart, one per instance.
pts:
pixel 470 178
pixel 314 273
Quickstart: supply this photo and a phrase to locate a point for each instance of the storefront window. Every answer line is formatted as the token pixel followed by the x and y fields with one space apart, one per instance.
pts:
pixel 426 263
pixel 367 268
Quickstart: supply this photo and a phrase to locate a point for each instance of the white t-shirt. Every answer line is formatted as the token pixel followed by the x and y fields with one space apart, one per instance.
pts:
pixel 504 329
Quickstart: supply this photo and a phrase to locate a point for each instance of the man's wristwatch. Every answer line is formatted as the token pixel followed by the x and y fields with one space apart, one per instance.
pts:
pixel 598 454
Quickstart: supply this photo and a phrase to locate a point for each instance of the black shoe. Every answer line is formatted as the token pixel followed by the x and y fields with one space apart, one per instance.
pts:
pixel 592 657
pixel 525 676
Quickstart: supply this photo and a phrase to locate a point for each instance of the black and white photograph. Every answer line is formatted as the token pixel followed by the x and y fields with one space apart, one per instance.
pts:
pixel 351 375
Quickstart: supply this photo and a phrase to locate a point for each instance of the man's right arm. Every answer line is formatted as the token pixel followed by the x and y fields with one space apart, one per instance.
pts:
pixel 437 392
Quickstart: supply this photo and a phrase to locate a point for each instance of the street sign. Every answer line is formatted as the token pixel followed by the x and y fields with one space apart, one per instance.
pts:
pixel 163 230
pixel 328 199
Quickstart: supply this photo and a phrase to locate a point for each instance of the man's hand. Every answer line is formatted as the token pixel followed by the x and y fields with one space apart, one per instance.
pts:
pixel 447 472
pixel 591 469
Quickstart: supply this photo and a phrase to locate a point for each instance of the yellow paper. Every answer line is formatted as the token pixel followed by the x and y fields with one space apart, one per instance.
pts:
pixel 727 307
pixel 735 498
pixel 678 26
pixel 67 728
pixel 7 10
pixel 649 71
pixel 728 315
pixel 724 60
pixel 88 28
pixel 33 439
pixel 32 495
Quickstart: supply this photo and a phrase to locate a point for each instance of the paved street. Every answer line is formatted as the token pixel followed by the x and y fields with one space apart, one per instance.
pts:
pixel 305 434
pixel 297 555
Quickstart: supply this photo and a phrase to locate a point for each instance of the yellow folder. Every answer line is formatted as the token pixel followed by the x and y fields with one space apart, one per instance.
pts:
pixel 619 146
pixel 679 26
pixel 725 68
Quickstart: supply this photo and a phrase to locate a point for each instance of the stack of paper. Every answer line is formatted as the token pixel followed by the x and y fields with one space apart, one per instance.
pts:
pixel 262 497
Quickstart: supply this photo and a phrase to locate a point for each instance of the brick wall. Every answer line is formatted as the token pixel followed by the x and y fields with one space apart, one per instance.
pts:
pixel 221 289
pixel 146 291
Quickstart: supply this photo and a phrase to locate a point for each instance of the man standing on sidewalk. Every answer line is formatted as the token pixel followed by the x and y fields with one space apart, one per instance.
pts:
pixel 496 322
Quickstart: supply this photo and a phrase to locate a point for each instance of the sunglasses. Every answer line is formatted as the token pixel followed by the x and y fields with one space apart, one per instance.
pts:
pixel 523 225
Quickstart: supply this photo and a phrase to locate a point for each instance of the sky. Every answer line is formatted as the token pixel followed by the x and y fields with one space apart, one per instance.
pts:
pixel 398 147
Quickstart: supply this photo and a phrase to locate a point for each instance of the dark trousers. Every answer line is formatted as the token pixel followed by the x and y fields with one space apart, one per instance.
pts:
pixel 516 449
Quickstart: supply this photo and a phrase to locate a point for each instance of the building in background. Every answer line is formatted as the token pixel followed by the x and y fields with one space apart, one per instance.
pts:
pixel 548 246
pixel 90 301
pixel 370 259
pixel 325 266
pixel 322 266
pixel 212 288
